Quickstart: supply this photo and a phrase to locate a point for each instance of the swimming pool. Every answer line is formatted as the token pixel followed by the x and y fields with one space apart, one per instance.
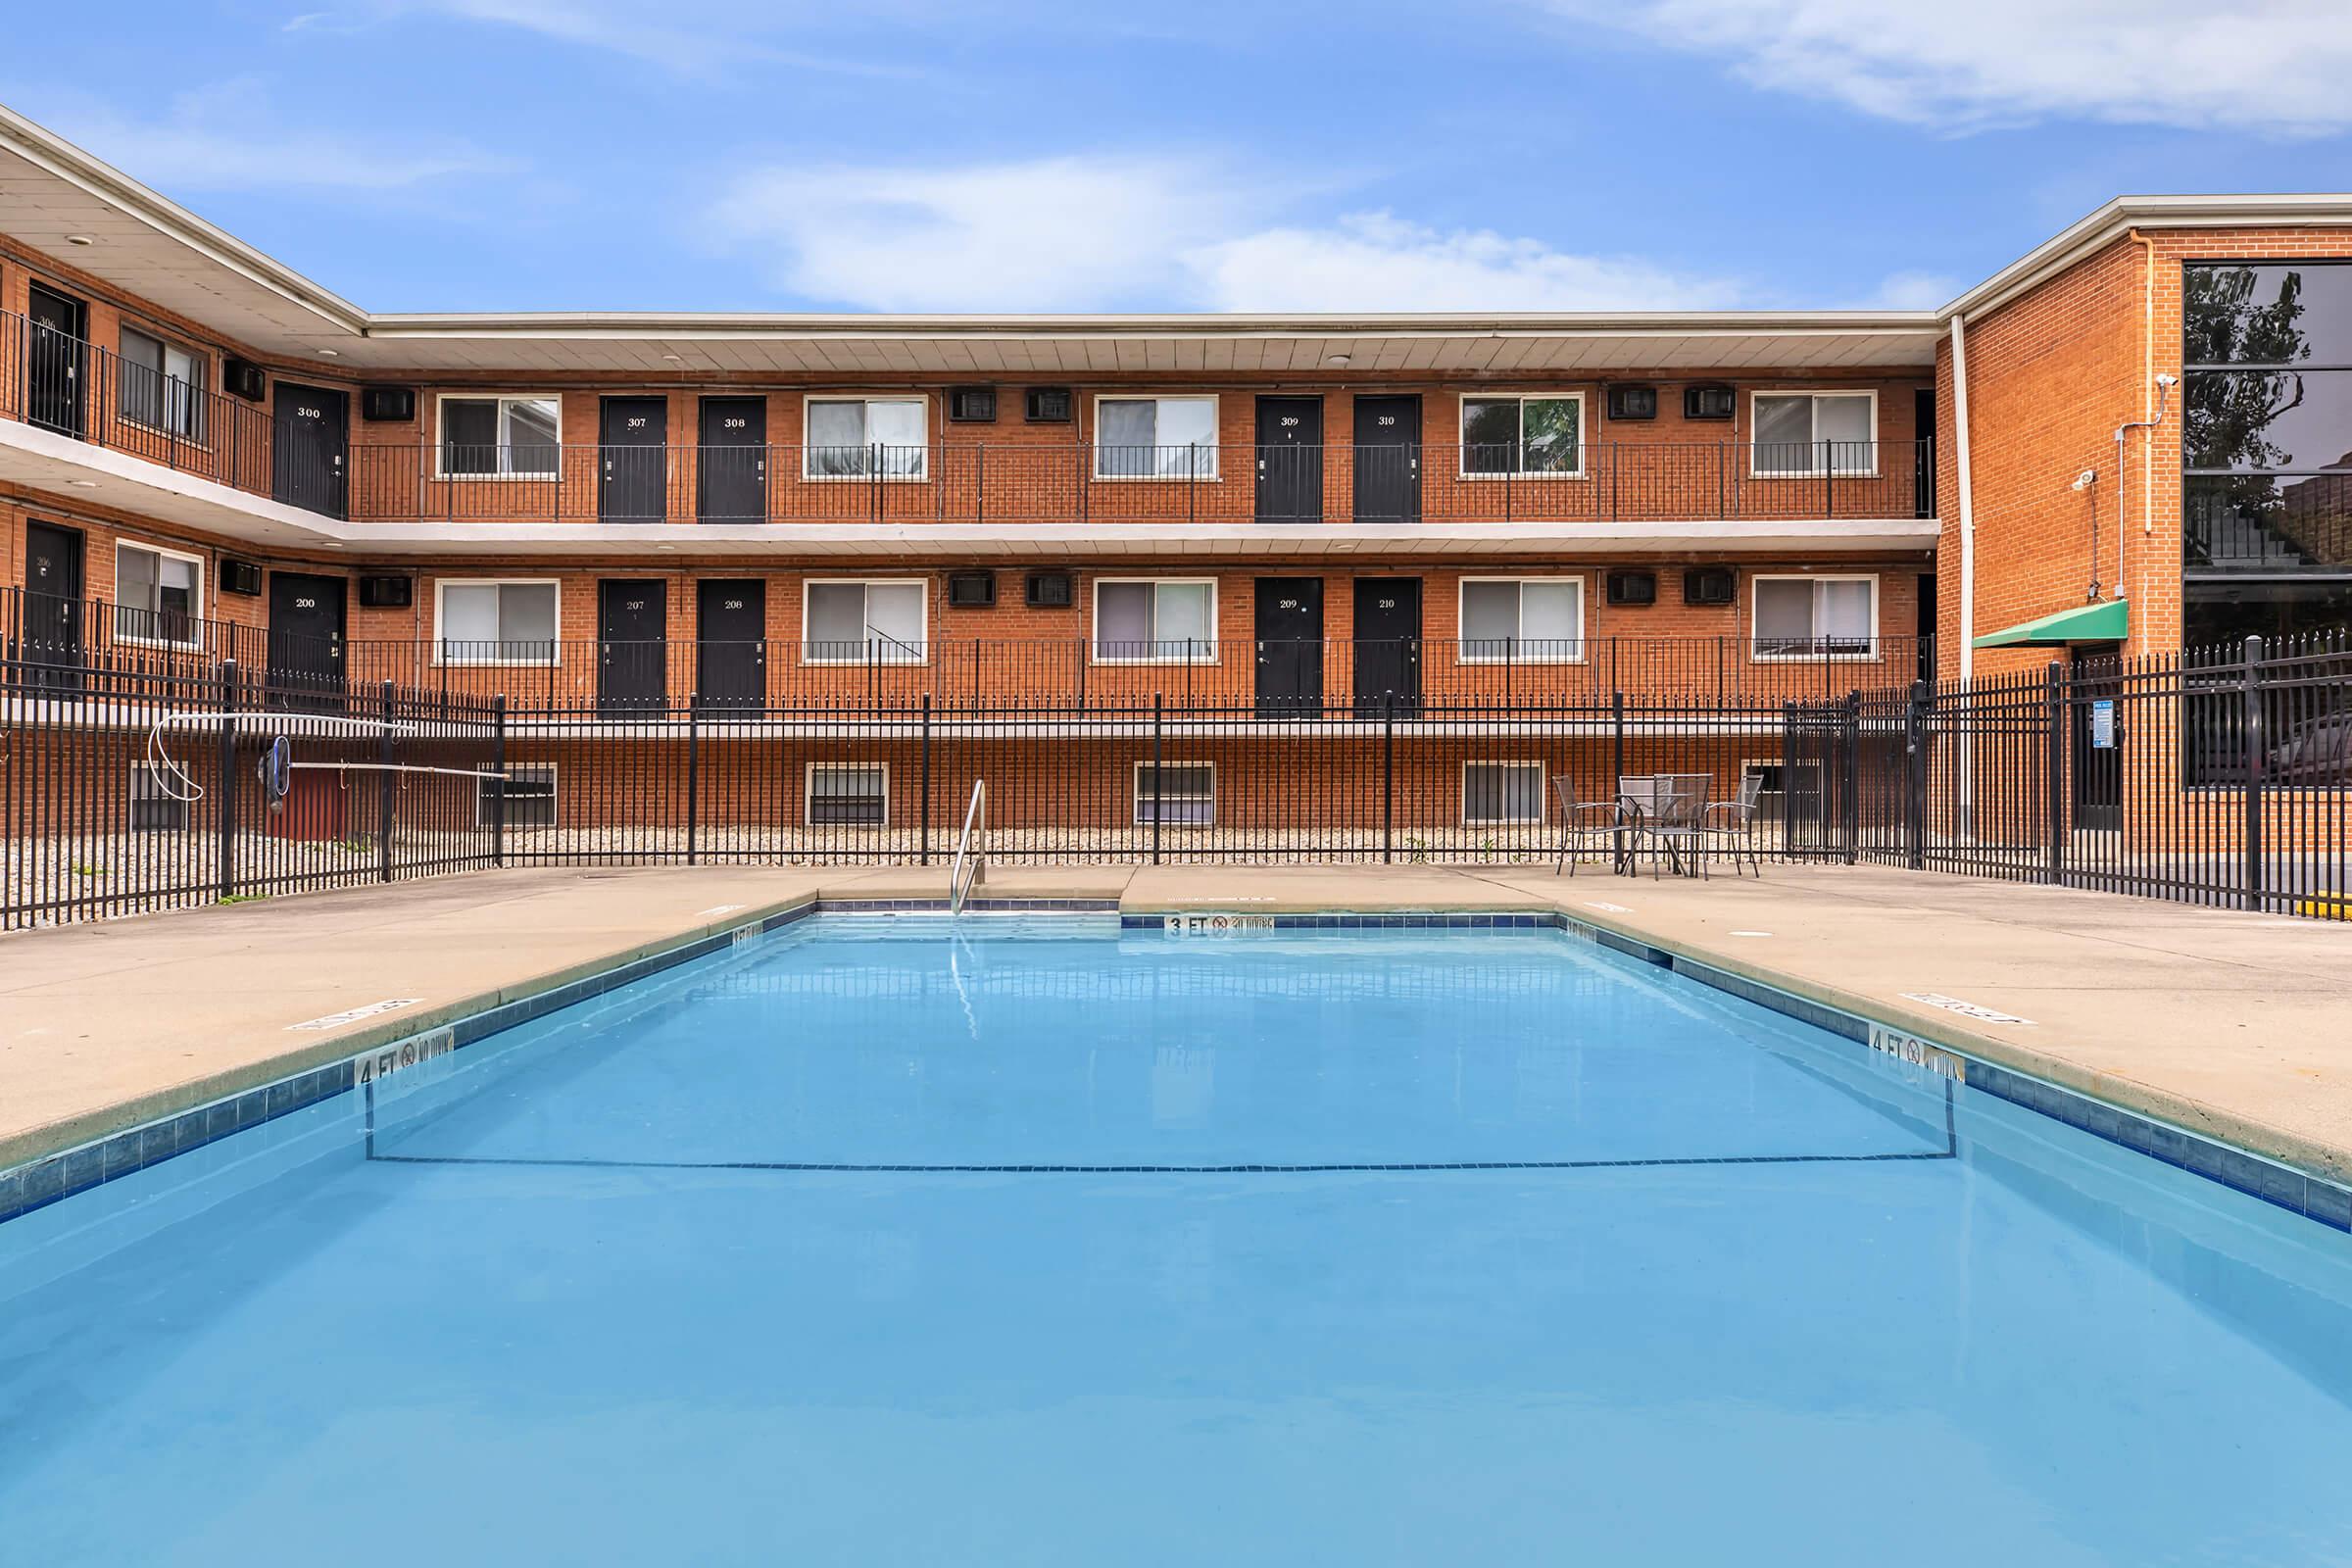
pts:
pixel 1055 1242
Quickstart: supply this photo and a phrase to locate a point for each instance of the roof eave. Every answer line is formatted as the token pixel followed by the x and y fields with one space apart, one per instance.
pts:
pixel 2118 217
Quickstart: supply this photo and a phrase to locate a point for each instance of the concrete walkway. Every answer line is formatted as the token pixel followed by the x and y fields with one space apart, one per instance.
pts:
pixel 2232 1024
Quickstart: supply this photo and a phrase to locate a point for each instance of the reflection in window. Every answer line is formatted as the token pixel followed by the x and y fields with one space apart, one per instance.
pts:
pixel 1810 434
pixel 852 438
pixel 511 436
pixel 1155 438
pixel 2275 419
pixel 1523 436
pixel 2269 523
pixel 2298 313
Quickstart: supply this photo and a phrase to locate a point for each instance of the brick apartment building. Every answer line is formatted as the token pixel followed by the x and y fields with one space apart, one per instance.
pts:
pixel 2134 436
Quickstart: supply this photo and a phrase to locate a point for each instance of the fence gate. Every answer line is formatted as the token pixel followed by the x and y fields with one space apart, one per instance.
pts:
pixel 1819 751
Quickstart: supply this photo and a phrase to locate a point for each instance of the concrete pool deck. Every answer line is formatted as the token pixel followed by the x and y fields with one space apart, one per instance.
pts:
pixel 2234 1025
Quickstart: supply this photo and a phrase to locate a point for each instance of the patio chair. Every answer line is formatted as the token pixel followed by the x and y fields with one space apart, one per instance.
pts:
pixel 1578 824
pixel 1637 804
pixel 1675 826
pixel 1733 822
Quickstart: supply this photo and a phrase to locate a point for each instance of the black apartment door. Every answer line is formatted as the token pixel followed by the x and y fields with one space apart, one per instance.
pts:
pixel 1387 646
pixel 1388 460
pixel 2098 736
pixel 1290 460
pixel 306 637
pixel 632 648
pixel 311 443
pixel 730 668
pixel 733 487
pixel 1290 647
pixel 49 633
pixel 635 446
pixel 55 360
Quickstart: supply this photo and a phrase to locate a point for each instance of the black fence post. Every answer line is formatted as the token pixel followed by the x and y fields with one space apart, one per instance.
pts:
pixel 1388 777
pixel 1849 813
pixel 1617 773
pixel 383 792
pixel 1788 777
pixel 498 765
pixel 1915 776
pixel 694 776
pixel 1157 718
pixel 227 782
pixel 922 831
pixel 2257 752
pixel 2056 700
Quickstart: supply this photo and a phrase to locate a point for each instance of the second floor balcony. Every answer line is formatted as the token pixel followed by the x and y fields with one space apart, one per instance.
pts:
pixel 1017 483
pixel 297 449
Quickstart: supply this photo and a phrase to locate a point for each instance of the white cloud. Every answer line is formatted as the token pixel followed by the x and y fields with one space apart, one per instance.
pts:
pixel 1376 262
pixel 1084 233
pixel 2271 65
pixel 1056 233
pixel 689 37
pixel 1914 291
pixel 225 136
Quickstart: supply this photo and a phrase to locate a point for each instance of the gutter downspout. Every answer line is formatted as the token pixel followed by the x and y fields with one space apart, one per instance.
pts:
pixel 1968 559
pixel 2149 420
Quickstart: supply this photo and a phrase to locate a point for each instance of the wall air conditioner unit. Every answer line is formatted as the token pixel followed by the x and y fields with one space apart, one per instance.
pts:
pixel 1631 587
pixel 242 378
pixel 386 592
pixel 972 404
pixel 971 590
pixel 240 577
pixel 1712 402
pixel 1708 585
pixel 1049 404
pixel 388 402
pixel 1048 590
pixel 1633 402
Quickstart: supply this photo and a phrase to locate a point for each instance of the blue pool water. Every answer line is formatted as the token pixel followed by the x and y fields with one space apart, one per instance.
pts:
pixel 856 1246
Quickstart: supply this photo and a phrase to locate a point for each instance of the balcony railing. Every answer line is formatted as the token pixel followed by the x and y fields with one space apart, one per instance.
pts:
pixel 75 388
pixel 51 644
pixel 1016 483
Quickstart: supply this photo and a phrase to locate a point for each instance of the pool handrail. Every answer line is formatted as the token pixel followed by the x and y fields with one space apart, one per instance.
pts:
pixel 971 843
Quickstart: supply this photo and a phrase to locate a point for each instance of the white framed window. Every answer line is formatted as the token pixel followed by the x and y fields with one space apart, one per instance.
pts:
pixel 847 795
pixel 1155 620
pixel 1524 435
pixel 159 594
pixel 500 435
pixel 154 807
pixel 1522 621
pixel 855 621
pixel 497 620
pixel 1155 438
pixel 1502 794
pixel 1186 794
pixel 530 792
pixel 1815 617
pixel 856 438
pixel 1800 435
pixel 162 385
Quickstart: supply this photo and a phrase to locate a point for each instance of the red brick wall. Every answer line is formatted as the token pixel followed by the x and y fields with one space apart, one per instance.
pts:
pixel 2051 374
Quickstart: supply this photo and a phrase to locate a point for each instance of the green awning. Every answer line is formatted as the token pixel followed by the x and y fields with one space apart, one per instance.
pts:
pixel 2103 623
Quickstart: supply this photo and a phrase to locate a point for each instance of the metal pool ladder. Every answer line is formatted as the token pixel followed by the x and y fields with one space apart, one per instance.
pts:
pixel 972 846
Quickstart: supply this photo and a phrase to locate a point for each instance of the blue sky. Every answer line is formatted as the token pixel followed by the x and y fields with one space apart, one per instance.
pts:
pixel 426 155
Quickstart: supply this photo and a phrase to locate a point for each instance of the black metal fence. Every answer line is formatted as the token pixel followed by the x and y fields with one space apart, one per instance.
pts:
pixel 130 789
pixel 135 776
pixel 2219 776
